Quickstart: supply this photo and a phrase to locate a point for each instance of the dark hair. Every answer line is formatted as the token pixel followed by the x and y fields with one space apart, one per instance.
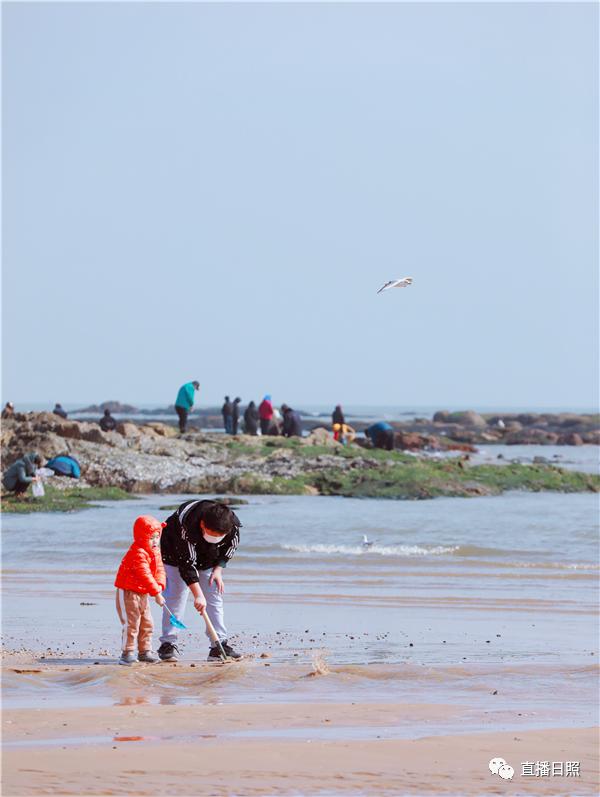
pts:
pixel 218 517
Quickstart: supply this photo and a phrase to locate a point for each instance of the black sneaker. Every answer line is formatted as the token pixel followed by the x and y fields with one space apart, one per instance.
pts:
pixel 214 654
pixel 168 652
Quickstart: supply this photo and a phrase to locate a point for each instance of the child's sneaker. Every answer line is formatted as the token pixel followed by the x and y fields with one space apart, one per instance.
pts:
pixel 127 657
pixel 168 652
pixel 147 656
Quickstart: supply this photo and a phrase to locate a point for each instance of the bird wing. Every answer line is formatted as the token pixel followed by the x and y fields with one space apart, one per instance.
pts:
pixel 399 283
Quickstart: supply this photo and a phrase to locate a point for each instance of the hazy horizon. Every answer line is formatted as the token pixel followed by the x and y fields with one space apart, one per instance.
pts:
pixel 217 191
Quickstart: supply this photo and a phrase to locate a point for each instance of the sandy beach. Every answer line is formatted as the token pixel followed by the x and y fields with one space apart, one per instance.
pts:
pixel 305 748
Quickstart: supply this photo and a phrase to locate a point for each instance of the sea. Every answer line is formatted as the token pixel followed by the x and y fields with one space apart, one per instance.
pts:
pixel 453 600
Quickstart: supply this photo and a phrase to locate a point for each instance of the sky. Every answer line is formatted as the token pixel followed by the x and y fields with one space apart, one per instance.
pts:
pixel 217 191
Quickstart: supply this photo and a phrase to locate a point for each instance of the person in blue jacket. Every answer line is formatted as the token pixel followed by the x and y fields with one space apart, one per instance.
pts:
pixel 185 401
pixel 381 434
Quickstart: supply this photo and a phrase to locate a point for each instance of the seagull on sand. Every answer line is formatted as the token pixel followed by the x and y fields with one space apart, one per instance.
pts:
pixel 366 543
pixel 400 283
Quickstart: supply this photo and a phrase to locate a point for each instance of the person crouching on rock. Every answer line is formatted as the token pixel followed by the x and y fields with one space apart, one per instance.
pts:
pixel 140 575
pixel 198 541
pixel 21 473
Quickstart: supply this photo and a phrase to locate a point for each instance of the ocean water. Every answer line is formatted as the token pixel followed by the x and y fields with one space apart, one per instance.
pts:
pixel 455 599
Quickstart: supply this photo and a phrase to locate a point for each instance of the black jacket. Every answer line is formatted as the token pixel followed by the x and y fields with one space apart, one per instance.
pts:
pixel 338 416
pixel 251 419
pixel 182 544
pixel 292 425
pixel 227 409
pixel 107 423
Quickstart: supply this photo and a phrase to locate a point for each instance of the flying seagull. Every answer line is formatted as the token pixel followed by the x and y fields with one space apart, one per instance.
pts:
pixel 366 543
pixel 401 283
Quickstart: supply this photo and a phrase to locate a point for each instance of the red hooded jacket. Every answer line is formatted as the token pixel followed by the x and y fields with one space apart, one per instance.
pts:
pixel 142 569
pixel 265 410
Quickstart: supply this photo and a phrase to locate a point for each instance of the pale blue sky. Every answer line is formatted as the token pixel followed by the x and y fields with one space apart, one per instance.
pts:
pixel 217 192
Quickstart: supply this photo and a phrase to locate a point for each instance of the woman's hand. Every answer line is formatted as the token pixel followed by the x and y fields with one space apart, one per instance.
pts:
pixel 200 603
pixel 216 577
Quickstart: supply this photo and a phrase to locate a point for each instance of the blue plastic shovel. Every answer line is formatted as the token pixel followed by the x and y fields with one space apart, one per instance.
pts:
pixel 173 620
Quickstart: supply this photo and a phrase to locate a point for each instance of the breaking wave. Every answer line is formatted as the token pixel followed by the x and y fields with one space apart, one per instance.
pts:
pixel 381 550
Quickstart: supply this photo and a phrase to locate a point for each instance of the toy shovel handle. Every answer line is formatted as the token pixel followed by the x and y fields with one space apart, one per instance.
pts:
pixel 213 634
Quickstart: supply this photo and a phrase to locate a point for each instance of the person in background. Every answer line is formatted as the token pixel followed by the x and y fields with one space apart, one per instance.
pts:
pixel 275 425
pixel 58 410
pixel 8 411
pixel 140 575
pixel 21 473
pixel 292 425
pixel 235 415
pixel 265 414
pixel 185 401
pixel 107 422
pixel 343 433
pixel 227 413
pixel 337 416
pixel 251 419
pixel 381 435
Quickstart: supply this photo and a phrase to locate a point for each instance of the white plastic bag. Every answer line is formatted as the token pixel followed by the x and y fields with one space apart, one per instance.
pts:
pixel 37 488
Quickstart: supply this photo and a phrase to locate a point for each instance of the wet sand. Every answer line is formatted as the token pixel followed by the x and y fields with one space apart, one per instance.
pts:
pixel 299 749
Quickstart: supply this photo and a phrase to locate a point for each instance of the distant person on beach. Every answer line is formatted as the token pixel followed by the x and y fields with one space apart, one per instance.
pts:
pixel 198 541
pixel 8 411
pixel 292 425
pixel 381 434
pixel 227 413
pixel 235 415
pixel 140 575
pixel 251 419
pixel 337 416
pixel 343 433
pixel 107 422
pixel 21 473
pixel 265 413
pixel 58 410
pixel 184 402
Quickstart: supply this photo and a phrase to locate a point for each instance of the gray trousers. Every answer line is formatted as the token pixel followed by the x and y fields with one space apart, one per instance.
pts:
pixel 176 594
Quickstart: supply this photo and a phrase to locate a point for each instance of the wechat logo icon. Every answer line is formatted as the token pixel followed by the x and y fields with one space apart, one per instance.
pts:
pixel 498 766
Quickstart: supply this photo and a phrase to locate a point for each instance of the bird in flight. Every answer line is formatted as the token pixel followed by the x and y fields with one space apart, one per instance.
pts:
pixel 366 543
pixel 401 283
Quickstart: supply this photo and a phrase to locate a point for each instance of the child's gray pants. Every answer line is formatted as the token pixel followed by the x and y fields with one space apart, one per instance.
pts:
pixel 176 594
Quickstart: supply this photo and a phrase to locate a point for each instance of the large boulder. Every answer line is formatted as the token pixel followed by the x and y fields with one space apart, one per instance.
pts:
pixel 320 437
pixel 162 429
pixel 570 439
pixel 468 418
pixel 441 416
pixel 129 430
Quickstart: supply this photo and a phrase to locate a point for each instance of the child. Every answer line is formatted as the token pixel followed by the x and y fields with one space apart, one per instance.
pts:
pixel 141 574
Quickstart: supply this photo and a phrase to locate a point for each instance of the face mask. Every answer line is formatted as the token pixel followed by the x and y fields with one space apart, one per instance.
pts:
pixel 213 540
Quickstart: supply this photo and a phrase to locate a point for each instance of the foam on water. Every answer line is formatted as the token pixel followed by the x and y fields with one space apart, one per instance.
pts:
pixel 381 550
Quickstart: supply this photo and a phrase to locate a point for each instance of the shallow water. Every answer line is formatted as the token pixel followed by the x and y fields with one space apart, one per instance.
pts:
pixel 455 600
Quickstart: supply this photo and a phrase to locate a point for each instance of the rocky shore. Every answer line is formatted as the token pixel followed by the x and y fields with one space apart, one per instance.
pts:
pixel 153 457
pixel 441 431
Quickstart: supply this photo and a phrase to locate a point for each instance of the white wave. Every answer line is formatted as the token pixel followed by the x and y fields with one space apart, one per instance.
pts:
pixel 382 550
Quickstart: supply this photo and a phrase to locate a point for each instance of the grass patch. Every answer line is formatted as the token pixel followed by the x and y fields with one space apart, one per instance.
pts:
pixel 62 500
